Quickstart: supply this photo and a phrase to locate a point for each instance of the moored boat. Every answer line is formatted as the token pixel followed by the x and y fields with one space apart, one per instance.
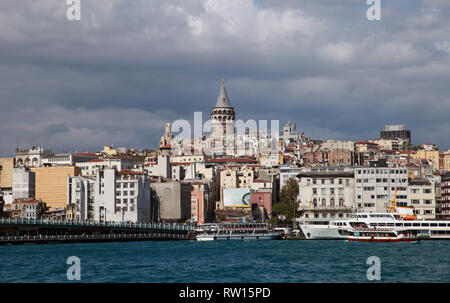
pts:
pixel 237 231
pixel 381 235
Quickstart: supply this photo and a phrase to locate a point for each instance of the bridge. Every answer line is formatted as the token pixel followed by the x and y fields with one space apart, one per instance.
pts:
pixel 21 231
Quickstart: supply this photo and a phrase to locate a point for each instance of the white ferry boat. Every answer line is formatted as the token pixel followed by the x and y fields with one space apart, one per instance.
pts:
pixel 237 231
pixel 381 235
pixel 431 229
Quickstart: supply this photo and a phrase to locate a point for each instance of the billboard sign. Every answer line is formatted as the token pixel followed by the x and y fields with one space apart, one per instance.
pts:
pixel 236 197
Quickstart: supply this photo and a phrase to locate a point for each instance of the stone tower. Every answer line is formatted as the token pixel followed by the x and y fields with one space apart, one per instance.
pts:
pixel 222 119
pixel 167 138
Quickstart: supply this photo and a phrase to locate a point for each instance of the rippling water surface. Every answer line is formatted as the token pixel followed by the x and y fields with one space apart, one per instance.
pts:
pixel 228 261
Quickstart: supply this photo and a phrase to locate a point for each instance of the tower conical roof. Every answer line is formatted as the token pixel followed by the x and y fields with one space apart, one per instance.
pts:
pixel 223 100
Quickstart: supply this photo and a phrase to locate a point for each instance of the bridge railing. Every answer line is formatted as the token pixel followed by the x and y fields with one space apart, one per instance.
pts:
pixel 160 226
pixel 90 237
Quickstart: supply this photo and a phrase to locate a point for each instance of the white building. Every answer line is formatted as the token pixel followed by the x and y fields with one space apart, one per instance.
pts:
pixel 122 196
pixel 375 188
pixel 326 193
pixel 23 183
pixel 31 157
pixel 160 169
pixel 65 159
pixel 80 191
pixel 92 167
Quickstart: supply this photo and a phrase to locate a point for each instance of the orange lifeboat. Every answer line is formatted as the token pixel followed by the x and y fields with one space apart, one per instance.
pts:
pixel 410 217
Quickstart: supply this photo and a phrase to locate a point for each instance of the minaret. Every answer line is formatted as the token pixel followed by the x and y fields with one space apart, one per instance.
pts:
pixel 222 119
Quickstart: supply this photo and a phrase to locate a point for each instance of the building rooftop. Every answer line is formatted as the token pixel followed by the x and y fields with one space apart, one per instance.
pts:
pixel 129 172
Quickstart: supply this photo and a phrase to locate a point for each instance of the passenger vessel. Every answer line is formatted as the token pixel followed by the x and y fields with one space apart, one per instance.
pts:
pixel 381 235
pixel 424 229
pixel 236 231
pixel 397 219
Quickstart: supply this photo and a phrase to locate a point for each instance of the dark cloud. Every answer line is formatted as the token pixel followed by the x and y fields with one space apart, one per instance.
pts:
pixel 127 67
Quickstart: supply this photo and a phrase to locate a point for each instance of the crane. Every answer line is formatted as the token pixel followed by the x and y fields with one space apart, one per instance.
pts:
pixel 393 201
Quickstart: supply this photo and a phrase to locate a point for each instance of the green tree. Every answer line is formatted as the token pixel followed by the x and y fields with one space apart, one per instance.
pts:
pixel 289 192
pixel 288 204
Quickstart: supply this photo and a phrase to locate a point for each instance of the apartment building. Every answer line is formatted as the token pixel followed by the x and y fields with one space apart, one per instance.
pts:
pixel 23 183
pixel 445 196
pixel 172 200
pixel 6 173
pixel 92 167
pixel 122 196
pixel 422 197
pixel 29 208
pixel 51 184
pixel 81 196
pixel 202 204
pixel 375 188
pixel 435 156
pixel 326 193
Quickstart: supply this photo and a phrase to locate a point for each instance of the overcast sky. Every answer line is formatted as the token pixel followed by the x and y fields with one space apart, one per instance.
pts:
pixel 128 66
